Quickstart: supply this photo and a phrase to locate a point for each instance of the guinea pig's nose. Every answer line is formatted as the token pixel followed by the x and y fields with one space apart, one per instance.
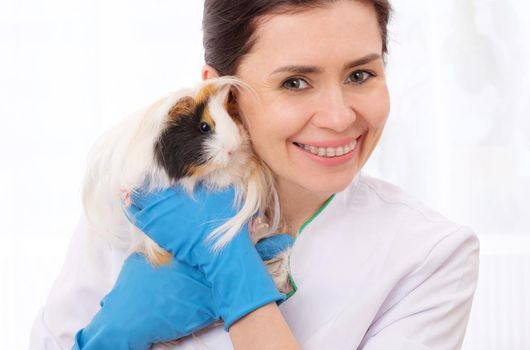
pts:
pixel 231 151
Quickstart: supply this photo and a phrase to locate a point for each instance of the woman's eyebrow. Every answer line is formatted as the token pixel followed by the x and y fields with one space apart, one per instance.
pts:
pixel 363 60
pixel 300 69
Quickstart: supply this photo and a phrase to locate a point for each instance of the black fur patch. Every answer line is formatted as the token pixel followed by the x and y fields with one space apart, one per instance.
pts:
pixel 181 145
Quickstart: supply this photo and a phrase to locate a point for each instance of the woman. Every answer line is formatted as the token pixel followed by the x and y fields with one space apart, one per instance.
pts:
pixel 374 269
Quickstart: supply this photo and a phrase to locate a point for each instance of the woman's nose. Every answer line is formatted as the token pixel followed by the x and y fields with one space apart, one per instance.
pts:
pixel 334 111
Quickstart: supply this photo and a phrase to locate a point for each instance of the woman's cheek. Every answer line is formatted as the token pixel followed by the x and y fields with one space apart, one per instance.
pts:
pixel 261 135
pixel 374 107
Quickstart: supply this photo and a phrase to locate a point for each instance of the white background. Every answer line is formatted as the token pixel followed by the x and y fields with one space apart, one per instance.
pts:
pixel 458 136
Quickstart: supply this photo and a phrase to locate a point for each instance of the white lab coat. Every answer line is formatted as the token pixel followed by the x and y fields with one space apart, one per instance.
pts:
pixel 375 270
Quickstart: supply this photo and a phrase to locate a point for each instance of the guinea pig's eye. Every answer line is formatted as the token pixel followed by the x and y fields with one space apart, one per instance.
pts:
pixel 204 127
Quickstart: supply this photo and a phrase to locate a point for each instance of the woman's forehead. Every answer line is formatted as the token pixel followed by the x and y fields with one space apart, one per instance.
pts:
pixel 346 30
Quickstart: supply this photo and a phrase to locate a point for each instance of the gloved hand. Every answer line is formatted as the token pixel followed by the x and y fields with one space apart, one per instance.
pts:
pixel 149 305
pixel 239 280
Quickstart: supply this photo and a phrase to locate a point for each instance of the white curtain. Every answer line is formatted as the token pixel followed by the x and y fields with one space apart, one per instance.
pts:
pixel 458 136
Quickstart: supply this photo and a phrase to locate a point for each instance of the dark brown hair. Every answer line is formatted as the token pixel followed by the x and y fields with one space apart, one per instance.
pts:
pixel 229 25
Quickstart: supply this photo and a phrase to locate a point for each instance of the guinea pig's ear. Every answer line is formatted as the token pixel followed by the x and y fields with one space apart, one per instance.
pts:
pixel 231 105
pixel 184 106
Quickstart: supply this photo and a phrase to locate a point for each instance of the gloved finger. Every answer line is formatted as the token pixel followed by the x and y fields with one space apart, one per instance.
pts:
pixel 270 247
pixel 141 198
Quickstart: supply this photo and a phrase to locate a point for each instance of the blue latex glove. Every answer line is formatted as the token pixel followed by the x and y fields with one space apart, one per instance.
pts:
pixel 179 224
pixel 149 305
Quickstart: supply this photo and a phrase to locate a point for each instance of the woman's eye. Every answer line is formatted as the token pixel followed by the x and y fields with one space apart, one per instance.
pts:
pixel 360 76
pixel 295 84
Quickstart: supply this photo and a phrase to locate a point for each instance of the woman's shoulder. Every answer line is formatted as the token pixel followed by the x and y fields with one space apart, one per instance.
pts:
pixel 419 261
pixel 373 193
pixel 399 233
pixel 386 207
pixel 370 194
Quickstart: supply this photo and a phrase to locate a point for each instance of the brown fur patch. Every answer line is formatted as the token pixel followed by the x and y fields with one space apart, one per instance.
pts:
pixel 231 107
pixel 204 94
pixel 202 97
pixel 159 257
pixel 184 106
pixel 199 170
pixel 207 118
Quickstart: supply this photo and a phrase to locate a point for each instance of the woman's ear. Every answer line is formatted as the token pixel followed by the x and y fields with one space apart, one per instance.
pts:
pixel 209 72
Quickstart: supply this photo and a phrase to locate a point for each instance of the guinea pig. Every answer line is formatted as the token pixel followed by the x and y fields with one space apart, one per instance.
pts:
pixel 182 139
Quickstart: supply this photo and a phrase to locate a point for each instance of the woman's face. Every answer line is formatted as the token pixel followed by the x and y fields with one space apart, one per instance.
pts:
pixel 322 96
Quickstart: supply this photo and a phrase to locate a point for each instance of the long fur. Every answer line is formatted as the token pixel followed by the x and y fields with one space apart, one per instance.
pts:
pixel 123 161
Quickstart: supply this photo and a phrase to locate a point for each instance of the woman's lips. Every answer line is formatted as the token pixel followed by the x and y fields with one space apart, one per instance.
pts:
pixel 329 149
pixel 325 154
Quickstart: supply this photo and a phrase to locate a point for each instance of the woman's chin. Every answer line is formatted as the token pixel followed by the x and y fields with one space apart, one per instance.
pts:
pixel 330 184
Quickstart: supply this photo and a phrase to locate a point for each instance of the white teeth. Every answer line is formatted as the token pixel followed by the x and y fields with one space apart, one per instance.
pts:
pixel 329 152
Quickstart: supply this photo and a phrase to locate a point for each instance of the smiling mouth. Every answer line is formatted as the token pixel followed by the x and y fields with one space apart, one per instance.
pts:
pixel 328 152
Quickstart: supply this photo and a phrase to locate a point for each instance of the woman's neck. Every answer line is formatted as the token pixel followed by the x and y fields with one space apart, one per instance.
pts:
pixel 298 205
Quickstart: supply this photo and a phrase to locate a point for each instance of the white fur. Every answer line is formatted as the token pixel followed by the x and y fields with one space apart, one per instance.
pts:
pixel 123 160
